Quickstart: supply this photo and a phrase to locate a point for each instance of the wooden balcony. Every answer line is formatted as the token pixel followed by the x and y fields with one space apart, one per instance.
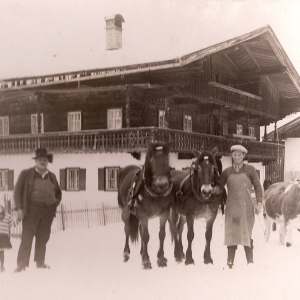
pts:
pixel 236 99
pixel 131 140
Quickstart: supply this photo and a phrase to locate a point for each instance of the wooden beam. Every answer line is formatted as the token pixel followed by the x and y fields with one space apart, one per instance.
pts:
pixel 252 56
pixel 265 72
pixel 232 62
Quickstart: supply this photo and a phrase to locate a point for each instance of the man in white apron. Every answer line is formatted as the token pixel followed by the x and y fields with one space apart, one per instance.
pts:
pixel 239 214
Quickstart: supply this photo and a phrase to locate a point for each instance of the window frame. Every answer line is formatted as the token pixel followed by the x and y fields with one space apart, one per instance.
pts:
pixel 114 119
pixel 3 119
pixel 238 128
pixel 5 187
pixel 106 174
pixel 74 129
pixel 252 131
pixel 161 114
pixel 68 180
pixel 42 123
pixel 186 123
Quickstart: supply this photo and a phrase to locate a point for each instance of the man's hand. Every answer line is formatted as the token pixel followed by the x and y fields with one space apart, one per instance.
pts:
pixel 217 190
pixel 258 208
pixel 20 215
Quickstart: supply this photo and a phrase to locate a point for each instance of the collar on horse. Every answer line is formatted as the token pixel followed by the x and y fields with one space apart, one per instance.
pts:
pixel 139 181
pixel 192 180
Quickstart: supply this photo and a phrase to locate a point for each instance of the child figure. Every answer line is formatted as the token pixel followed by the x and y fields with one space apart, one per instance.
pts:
pixel 5 223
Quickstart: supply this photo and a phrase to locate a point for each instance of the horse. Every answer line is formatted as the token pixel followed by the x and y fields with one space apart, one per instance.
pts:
pixel 282 206
pixel 195 199
pixel 145 193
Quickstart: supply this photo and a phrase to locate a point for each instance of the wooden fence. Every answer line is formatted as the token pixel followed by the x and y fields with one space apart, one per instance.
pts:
pixel 74 214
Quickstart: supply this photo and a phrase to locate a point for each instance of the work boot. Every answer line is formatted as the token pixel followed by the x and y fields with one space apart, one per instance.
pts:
pixel 19 269
pixel 42 266
pixel 231 256
pixel 2 269
pixel 249 253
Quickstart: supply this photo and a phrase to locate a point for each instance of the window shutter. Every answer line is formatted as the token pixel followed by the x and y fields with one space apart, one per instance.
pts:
pixel 1 126
pixel 10 180
pixel 118 118
pixel 62 179
pixel 6 126
pixel 111 119
pixel 34 124
pixel 82 179
pixel 101 179
pixel 42 123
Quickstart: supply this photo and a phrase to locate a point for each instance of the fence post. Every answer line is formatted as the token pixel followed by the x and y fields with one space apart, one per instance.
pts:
pixel 62 216
pixel 103 211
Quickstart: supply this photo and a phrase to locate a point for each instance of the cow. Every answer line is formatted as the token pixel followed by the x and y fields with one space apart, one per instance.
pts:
pixel 282 205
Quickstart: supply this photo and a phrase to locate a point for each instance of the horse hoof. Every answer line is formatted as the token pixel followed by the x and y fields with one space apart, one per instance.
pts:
pixel 147 265
pixel 208 261
pixel 126 257
pixel 179 259
pixel 189 261
pixel 162 262
pixel 288 244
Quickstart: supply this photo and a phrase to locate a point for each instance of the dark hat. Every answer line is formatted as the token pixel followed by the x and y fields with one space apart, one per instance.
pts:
pixel 42 152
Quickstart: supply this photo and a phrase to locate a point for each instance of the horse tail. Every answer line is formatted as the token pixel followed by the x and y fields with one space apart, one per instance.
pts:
pixel 134 228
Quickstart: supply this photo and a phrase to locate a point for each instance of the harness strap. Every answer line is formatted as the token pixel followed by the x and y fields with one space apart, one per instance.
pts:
pixel 179 193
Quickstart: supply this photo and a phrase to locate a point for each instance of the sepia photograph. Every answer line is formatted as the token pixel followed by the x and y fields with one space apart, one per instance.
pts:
pixel 149 149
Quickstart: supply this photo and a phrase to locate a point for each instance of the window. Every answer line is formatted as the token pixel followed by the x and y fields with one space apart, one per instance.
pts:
pixel 251 131
pixel 239 129
pixel 73 179
pixel 4 126
pixel 161 119
pixel 215 77
pixel 6 180
pixel 111 179
pixel 187 123
pixel 225 128
pixel 74 121
pixel 34 123
pixel 114 118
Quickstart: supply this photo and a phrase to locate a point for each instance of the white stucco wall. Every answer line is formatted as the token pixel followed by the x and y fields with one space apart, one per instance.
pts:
pixel 91 162
pixel 292 159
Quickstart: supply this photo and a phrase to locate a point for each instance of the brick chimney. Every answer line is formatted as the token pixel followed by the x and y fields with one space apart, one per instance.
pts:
pixel 114 32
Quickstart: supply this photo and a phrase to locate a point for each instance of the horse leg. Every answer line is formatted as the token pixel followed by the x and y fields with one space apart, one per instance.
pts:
pixel 161 260
pixel 180 228
pixel 141 251
pixel 190 236
pixel 282 232
pixel 125 218
pixel 289 229
pixel 268 224
pixel 208 235
pixel 145 239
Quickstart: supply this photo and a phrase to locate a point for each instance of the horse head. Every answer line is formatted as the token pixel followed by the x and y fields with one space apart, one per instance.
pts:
pixel 157 171
pixel 204 171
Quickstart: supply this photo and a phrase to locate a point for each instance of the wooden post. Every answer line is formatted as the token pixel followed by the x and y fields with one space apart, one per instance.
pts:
pixel 103 212
pixel 62 217
pixel 265 135
pixel 275 132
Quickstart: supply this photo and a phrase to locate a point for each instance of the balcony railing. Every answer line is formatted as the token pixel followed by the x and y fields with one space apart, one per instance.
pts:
pixel 131 140
pixel 235 97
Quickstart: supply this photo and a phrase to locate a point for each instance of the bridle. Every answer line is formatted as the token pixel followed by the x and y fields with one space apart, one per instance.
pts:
pixel 193 179
pixel 153 194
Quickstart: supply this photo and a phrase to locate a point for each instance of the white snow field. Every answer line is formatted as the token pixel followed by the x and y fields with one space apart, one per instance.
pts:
pixel 87 264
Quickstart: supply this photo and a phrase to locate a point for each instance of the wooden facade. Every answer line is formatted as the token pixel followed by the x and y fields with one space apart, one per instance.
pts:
pixel 228 91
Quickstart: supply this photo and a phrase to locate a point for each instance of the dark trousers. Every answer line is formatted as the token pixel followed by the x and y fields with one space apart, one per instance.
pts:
pixel 2 258
pixel 248 252
pixel 37 223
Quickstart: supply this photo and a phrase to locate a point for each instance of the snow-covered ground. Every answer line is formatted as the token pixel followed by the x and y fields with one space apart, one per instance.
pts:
pixel 87 264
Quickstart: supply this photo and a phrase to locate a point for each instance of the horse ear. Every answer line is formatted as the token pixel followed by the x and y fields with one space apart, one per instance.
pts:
pixel 196 153
pixel 214 151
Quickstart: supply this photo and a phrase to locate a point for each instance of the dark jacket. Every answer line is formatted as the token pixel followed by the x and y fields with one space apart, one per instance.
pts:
pixel 24 187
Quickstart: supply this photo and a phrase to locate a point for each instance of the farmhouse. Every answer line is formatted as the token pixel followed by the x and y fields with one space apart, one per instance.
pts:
pixel 96 121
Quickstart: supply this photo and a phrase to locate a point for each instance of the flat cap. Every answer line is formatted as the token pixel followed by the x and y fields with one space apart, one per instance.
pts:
pixel 238 148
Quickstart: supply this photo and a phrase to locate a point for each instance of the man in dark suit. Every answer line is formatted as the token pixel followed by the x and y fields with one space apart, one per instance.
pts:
pixel 37 195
